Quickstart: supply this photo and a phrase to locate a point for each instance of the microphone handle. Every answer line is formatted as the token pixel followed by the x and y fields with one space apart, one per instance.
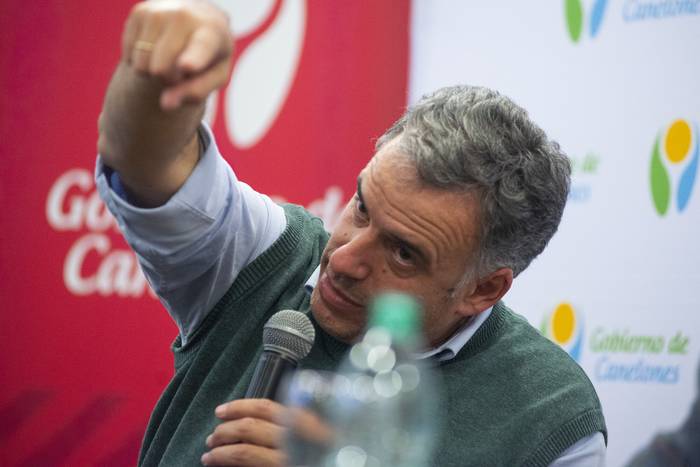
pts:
pixel 269 371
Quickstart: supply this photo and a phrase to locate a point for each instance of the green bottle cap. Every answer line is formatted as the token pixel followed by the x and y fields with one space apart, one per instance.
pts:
pixel 398 313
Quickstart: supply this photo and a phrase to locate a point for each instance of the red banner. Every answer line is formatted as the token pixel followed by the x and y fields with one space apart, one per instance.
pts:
pixel 86 346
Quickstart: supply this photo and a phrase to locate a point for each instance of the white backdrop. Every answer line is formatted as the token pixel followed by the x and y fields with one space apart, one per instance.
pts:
pixel 619 278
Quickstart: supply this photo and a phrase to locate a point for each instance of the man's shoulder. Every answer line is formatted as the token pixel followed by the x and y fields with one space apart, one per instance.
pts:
pixel 525 397
pixel 523 342
pixel 298 250
pixel 299 216
pixel 516 355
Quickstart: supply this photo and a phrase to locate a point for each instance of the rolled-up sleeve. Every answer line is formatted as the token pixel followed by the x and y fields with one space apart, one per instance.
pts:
pixel 192 247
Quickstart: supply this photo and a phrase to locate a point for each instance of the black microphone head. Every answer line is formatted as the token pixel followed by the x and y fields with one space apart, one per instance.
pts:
pixel 289 332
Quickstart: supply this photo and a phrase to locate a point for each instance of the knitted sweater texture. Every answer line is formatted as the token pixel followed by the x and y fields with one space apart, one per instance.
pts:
pixel 510 397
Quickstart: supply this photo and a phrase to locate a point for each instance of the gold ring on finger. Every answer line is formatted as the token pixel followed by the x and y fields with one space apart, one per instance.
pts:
pixel 144 46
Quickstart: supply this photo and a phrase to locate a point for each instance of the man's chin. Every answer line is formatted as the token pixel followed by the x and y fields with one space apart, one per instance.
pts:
pixel 332 324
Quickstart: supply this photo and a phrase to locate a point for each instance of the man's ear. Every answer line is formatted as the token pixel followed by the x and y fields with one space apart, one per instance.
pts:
pixel 486 293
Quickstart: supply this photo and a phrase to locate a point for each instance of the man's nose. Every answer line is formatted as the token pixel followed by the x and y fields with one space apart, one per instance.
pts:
pixel 353 259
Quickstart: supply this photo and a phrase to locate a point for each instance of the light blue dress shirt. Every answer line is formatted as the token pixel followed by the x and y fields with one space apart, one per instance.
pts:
pixel 192 248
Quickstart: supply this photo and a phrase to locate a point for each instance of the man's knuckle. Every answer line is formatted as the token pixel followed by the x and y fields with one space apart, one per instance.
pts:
pixel 139 9
pixel 222 71
pixel 264 404
pixel 238 453
pixel 157 69
pixel 223 427
pixel 139 65
pixel 247 425
pixel 229 408
pixel 267 406
pixel 235 407
pixel 194 93
pixel 219 432
pixel 179 15
pixel 160 16
pixel 220 13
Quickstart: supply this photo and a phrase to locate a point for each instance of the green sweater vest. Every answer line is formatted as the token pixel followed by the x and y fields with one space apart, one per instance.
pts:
pixel 510 397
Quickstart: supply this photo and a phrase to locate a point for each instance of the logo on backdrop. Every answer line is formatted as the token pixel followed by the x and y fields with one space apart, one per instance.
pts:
pixel 564 327
pixel 577 19
pixel 584 171
pixel 269 39
pixel 620 355
pixel 641 10
pixel 92 265
pixel 674 166
pixel 575 16
pixel 280 121
pixel 624 356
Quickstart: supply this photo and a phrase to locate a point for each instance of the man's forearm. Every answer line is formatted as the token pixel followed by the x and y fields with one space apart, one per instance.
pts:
pixel 143 142
pixel 174 54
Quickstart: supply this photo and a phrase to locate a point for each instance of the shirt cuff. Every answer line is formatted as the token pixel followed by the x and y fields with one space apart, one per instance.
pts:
pixel 189 212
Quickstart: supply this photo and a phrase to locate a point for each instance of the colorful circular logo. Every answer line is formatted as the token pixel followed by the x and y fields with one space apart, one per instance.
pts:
pixel 564 327
pixel 676 146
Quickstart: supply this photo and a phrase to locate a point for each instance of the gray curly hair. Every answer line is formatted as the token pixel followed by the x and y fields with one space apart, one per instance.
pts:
pixel 473 139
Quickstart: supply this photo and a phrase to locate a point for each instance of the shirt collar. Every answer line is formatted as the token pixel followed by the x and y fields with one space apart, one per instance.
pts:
pixel 447 350
pixel 313 280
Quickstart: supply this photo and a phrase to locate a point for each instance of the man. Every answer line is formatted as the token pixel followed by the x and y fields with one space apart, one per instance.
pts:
pixel 462 193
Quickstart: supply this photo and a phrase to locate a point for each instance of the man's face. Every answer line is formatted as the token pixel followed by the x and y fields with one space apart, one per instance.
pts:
pixel 396 235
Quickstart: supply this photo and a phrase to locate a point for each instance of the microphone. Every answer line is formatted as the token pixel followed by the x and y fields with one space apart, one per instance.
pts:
pixel 287 338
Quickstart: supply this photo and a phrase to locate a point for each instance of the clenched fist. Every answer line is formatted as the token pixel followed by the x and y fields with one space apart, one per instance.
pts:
pixel 187 44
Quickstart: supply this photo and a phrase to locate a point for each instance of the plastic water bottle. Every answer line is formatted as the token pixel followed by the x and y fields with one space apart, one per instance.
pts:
pixel 384 409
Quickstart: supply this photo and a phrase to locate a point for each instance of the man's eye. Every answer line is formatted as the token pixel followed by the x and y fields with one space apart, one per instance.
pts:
pixel 360 206
pixel 404 255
